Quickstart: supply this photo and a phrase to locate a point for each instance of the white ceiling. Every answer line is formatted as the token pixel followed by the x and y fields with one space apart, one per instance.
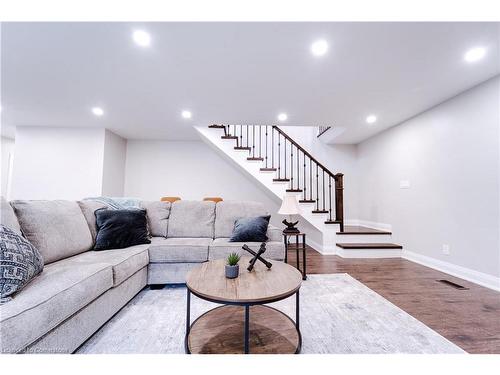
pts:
pixel 239 73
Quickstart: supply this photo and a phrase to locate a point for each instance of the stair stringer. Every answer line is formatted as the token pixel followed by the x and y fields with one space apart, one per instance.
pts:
pixel 225 148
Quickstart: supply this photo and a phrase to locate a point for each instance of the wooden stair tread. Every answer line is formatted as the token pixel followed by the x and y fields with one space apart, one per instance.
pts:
pixel 255 158
pixel 229 137
pixel 369 246
pixel 307 201
pixel 294 190
pixel 355 229
pixel 268 169
pixel 319 211
pixel 215 126
pixel 242 148
pixel 281 179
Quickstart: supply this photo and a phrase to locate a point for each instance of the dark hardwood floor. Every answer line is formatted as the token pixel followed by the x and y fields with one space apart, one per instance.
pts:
pixel 469 318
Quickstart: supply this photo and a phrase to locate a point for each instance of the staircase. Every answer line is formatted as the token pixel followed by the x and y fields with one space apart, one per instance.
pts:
pixel 282 166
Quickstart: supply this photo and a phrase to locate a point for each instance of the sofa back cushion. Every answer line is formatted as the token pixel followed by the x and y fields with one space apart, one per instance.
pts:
pixel 57 229
pixel 89 207
pixel 191 219
pixel 227 212
pixel 157 215
pixel 8 217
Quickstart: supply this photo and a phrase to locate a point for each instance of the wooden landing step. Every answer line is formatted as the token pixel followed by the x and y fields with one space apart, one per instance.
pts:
pixel 352 246
pixel 355 229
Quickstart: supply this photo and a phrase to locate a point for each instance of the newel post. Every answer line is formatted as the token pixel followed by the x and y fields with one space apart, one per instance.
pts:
pixel 339 200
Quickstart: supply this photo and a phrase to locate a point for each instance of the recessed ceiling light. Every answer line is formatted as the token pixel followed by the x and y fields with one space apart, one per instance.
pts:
pixel 98 111
pixel 319 47
pixel 141 38
pixel 371 119
pixel 282 117
pixel 186 114
pixel 475 54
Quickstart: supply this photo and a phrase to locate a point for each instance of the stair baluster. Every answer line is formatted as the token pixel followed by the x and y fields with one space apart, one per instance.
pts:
pixel 305 186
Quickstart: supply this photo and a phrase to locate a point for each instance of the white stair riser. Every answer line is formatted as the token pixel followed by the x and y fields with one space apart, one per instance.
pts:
pixel 369 253
pixel 364 238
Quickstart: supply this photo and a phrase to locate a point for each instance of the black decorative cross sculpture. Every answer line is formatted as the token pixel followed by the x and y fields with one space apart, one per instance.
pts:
pixel 257 256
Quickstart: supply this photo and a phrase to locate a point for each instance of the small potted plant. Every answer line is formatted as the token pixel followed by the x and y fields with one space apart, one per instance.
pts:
pixel 232 267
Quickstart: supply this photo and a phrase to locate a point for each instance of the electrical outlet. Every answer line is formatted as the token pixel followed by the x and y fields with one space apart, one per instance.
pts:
pixel 446 249
pixel 404 184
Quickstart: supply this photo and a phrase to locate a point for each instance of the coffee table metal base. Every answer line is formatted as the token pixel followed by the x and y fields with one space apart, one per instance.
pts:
pixel 243 328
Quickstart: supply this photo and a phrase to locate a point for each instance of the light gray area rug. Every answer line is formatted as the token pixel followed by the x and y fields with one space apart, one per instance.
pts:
pixel 338 315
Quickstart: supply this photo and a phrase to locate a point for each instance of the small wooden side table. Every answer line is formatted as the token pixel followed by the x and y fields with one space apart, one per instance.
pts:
pixel 286 237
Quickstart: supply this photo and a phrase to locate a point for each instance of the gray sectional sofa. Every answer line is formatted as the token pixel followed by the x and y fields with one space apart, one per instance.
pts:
pixel 80 289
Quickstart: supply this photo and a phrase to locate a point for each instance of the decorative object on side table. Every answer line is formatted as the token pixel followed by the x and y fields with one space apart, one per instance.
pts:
pixel 257 256
pixel 290 207
pixel 232 267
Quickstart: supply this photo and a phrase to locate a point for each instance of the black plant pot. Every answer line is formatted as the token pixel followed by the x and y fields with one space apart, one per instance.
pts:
pixel 232 272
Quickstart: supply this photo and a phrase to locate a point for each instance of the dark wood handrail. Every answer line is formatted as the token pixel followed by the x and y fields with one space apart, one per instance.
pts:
pixel 322 130
pixel 306 153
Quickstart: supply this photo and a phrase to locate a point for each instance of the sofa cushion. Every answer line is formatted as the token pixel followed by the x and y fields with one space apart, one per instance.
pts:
pixel 274 234
pixel 124 262
pixel 227 212
pixel 222 247
pixel 8 217
pixel 176 250
pixel 57 293
pixel 57 229
pixel 157 213
pixel 118 229
pixel 20 262
pixel 89 207
pixel 191 219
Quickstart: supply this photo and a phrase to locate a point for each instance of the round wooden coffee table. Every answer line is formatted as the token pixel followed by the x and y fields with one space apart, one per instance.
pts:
pixel 243 324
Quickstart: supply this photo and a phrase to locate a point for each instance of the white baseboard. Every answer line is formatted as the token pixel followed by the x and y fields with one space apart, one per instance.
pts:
pixel 370 224
pixel 475 277
pixel 325 250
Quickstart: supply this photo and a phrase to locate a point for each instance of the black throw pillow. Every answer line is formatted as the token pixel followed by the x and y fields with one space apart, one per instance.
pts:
pixel 250 229
pixel 117 229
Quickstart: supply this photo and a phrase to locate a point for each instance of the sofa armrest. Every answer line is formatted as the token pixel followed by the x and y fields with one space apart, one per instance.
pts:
pixel 274 234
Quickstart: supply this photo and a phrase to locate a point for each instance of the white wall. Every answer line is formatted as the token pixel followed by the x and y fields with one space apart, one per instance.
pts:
pixel 450 155
pixel 113 177
pixel 191 170
pixel 57 163
pixel 7 155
